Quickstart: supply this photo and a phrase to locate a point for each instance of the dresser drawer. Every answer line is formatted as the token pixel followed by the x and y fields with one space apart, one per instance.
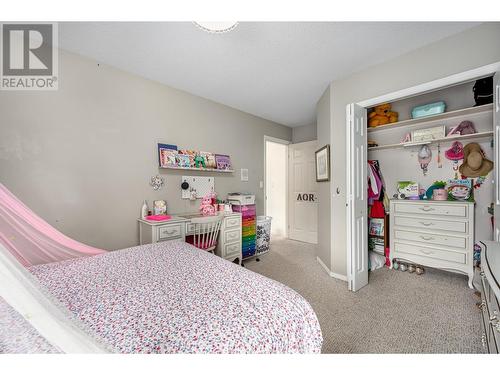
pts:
pixel 170 231
pixel 455 210
pixel 232 236
pixel 232 249
pixel 431 224
pixel 233 222
pixel 430 238
pixel 448 256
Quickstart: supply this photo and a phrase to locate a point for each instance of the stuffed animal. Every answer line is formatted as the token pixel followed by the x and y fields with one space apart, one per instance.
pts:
pixel 382 115
pixel 199 161
pixel 207 204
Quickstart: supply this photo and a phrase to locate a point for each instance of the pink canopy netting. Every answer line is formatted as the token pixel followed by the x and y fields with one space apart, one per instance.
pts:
pixel 31 239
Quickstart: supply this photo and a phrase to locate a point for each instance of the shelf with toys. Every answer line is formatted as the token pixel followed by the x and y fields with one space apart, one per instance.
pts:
pixel 472 123
pixel 199 169
pixel 169 157
pixel 458 137
pixel 451 115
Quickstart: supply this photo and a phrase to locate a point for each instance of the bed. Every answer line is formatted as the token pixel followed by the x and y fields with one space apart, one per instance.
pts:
pixel 174 298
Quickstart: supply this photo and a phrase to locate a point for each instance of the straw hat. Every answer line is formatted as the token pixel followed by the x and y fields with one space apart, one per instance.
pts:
pixel 475 164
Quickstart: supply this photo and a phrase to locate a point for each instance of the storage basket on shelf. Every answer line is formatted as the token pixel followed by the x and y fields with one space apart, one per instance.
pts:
pixel 263 234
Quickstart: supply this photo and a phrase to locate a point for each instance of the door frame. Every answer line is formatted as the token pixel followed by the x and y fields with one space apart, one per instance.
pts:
pixel 268 138
pixel 430 86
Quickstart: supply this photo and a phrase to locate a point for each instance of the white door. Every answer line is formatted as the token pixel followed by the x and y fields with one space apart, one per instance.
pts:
pixel 277 186
pixel 357 204
pixel 496 127
pixel 302 193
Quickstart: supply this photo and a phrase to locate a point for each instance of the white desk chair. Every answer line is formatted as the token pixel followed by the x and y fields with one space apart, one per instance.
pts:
pixel 206 232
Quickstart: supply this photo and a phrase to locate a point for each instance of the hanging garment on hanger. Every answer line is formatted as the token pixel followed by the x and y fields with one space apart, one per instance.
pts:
pixel 373 181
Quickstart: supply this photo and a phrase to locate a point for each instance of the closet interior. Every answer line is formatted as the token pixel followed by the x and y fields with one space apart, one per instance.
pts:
pixel 421 211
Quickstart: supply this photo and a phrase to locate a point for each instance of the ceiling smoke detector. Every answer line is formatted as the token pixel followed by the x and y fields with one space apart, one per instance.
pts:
pixel 216 27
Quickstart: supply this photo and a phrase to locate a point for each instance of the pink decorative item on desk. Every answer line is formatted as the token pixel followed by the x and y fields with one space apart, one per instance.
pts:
pixel 158 217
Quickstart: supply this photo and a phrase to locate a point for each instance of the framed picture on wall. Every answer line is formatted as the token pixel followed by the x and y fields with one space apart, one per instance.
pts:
pixel 323 164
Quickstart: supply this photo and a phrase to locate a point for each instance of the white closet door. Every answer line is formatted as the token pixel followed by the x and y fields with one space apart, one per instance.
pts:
pixel 357 224
pixel 496 128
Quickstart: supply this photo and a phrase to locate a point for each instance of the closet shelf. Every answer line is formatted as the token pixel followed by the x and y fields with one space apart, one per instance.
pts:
pixel 200 169
pixel 442 116
pixel 457 137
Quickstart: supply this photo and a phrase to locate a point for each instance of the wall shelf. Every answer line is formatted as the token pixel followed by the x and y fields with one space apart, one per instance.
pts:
pixel 200 169
pixel 442 116
pixel 451 138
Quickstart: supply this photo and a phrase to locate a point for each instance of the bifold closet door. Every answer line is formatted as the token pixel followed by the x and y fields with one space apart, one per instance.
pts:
pixel 357 222
pixel 496 128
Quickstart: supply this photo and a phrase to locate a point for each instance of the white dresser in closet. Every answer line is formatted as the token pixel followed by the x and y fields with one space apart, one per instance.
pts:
pixel 437 234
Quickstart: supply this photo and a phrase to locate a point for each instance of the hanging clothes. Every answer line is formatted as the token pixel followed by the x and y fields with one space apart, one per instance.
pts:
pixel 375 182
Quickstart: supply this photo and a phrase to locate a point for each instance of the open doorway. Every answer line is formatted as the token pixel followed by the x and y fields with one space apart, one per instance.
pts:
pixel 276 184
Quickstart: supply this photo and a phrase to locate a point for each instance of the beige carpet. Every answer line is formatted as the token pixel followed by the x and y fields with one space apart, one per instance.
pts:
pixel 397 312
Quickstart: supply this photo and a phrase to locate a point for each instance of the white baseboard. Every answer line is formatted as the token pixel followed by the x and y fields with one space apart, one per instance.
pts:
pixel 332 274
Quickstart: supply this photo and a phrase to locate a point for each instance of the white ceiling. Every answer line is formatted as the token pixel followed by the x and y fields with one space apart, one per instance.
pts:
pixel 275 70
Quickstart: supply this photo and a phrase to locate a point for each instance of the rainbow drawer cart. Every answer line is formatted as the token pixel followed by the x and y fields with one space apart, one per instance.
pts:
pixel 245 204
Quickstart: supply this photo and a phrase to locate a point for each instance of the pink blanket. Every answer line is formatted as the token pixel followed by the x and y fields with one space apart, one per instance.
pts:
pixel 174 298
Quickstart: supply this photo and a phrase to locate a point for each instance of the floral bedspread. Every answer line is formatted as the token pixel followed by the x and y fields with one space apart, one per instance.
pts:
pixel 17 335
pixel 174 298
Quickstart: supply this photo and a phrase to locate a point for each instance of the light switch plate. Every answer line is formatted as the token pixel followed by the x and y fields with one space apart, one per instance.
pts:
pixel 244 174
pixel 261 184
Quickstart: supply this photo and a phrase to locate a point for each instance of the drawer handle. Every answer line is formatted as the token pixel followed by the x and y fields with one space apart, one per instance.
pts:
pixel 428 252
pixel 173 231
pixel 427 208
pixel 426 224
pixel 426 238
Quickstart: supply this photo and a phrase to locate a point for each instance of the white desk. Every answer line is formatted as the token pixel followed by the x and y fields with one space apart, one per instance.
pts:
pixel 179 226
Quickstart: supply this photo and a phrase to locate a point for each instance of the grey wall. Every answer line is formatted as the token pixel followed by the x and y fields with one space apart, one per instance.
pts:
pixel 473 48
pixel 304 133
pixel 324 123
pixel 82 157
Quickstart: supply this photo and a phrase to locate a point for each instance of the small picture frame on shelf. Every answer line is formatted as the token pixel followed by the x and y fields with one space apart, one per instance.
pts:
pixel 223 162
pixel 159 207
pixel 323 164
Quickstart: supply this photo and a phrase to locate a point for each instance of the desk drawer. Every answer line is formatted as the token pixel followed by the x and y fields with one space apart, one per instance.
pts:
pixel 233 222
pixel 232 236
pixel 169 231
pixel 430 238
pixel 232 249
pixel 190 228
pixel 444 255
pixel 456 210
pixel 431 224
